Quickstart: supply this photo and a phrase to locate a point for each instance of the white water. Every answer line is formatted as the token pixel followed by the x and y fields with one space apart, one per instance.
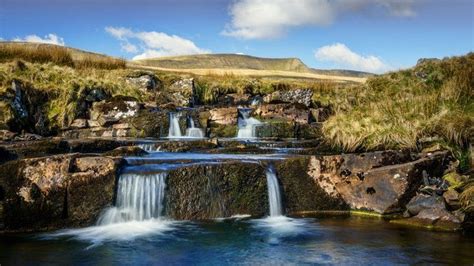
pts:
pixel 247 125
pixel 149 147
pixel 192 131
pixel 273 193
pixel 139 198
pixel 174 129
pixel 137 212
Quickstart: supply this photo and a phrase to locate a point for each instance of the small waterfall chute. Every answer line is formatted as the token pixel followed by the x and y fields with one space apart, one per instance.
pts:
pixel 192 131
pixel 247 124
pixel 139 198
pixel 174 128
pixel 274 196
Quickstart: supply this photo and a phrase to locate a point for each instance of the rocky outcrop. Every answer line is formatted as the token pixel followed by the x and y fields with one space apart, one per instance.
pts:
pixel 224 116
pixel 56 191
pixel 181 92
pixel 22 108
pixel 382 182
pixel 145 81
pixel 288 112
pixel 301 192
pixel 216 190
pixel 300 96
pixel 109 112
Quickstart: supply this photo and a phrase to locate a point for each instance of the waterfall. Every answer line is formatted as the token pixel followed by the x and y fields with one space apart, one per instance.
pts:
pixel 149 147
pixel 174 129
pixel 139 198
pixel 273 192
pixel 192 131
pixel 246 124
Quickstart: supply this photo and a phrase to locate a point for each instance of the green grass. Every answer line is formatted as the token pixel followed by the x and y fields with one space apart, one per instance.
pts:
pixel 396 110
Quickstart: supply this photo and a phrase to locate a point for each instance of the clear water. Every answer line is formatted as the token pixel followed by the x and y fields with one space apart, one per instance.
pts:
pixel 250 242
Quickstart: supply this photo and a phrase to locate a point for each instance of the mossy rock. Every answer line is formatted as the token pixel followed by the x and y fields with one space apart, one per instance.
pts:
pixel 223 131
pixel 455 180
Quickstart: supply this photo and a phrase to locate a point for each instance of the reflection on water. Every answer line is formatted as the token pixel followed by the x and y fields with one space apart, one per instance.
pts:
pixel 273 240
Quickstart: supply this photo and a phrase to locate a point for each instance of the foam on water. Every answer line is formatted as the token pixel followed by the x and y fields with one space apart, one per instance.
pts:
pixel 247 125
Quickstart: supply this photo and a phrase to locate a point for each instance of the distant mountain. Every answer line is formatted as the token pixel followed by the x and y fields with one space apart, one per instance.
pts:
pixel 226 61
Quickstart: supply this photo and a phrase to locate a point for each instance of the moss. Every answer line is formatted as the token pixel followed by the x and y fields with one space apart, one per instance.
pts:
pixel 419 223
pixel 223 131
pixel 454 179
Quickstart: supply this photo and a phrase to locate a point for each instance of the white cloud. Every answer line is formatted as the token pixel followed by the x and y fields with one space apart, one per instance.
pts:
pixel 129 48
pixel 342 56
pixel 264 19
pixel 153 44
pixel 50 38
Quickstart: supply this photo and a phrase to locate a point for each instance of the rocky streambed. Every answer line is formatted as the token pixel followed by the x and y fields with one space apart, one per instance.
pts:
pixel 58 183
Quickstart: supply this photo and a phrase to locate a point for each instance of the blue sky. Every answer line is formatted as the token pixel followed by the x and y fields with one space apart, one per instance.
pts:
pixel 368 35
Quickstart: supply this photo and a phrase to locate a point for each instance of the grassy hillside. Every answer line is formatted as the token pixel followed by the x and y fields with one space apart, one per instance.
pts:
pixel 49 53
pixel 226 61
pixel 398 109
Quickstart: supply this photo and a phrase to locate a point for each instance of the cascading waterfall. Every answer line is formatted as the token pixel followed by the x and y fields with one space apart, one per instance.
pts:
pixel 174 129
pixel 192 131
pixel 273 192
pixel 139 198
pixel 246 124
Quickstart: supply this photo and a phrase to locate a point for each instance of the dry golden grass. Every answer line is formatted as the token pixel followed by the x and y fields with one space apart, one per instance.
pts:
pixel 58 55
pixel 253 73
pixel 397 109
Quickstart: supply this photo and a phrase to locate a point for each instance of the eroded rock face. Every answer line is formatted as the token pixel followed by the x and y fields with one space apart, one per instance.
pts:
pixel 224 116
pixel 219 190
pixel 382 182
pixel 56 191
pixel 300 190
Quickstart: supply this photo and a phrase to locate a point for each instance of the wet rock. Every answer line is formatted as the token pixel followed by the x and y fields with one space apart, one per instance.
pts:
pixel 451 197
pixel 79 123
pixel 6 135
pixel 421 202
pixel 127 151
pixel 221 190
pixel 290 112
pixel 56 191
pixel 302 191
pixel 301 96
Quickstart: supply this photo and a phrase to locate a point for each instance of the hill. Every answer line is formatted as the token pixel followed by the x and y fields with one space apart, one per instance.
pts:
pixel 226 61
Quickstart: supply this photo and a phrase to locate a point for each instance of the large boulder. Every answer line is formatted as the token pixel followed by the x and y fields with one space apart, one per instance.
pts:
pixel 382 182
pixel 429 211
pixel 57 191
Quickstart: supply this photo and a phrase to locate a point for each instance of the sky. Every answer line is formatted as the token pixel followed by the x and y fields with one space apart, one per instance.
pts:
pixel 366 35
